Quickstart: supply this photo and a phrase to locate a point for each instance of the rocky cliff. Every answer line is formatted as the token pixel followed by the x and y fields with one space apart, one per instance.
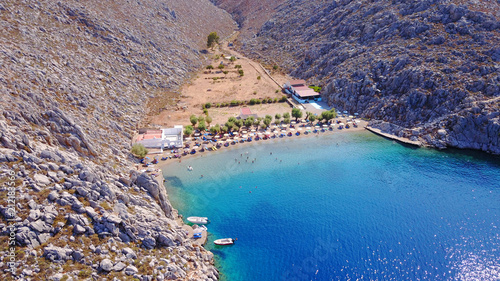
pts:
pixel 75 81
pixel 426 70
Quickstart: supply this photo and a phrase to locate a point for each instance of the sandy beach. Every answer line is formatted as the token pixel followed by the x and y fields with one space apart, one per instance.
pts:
pixel 162 163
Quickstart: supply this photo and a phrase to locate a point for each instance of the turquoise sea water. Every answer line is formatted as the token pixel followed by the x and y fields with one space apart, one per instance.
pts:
pixel 345 207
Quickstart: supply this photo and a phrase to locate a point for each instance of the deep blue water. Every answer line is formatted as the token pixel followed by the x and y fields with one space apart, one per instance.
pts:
pixel 345 207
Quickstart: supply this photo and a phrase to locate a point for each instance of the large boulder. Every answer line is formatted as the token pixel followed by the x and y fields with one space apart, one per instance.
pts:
pixel 57 254
pixel 106 265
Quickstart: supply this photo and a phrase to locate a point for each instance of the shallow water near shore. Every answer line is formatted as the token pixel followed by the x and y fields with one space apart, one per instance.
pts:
pixel 345 206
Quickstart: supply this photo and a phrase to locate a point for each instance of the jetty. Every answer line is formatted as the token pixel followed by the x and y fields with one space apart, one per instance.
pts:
pixel 393 137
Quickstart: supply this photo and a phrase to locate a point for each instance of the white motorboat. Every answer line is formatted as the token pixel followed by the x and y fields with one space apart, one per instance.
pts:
pixel 224 241
pixel 198 220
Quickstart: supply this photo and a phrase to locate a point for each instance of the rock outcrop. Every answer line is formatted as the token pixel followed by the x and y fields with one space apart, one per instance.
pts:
pixel 76 80
pixel 429 67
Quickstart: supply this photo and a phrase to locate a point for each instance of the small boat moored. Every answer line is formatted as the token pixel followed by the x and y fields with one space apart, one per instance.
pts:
pixel 198 220
pixel 225 241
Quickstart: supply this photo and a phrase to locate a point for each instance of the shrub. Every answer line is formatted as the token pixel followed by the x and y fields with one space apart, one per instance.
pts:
pixel 275 100
pixel 139 150
pixel 237 66
pixel 84 273
pixel 275 67
pixel 252 101
pixel 258 77
pixel 282 99
pixel 264 100
pixel 317 89
pixel 217 105
pixel 240 71
pixel 235 103
pixel 209 66
pixel 277 91
pixel 232 58
pixel 205 111
pixel 221 66
pixel 258 101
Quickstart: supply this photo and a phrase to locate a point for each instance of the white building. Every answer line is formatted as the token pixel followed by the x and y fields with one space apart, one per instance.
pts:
pixel 164 138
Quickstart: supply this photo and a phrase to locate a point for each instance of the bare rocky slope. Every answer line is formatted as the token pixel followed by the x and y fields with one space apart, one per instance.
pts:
pixel 426 70
pixel 75 78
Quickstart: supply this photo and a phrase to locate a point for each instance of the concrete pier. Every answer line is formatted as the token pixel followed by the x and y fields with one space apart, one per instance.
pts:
pixel 393 137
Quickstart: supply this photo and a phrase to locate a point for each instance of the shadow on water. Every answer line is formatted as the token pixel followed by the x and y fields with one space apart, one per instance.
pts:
pixel 219 252
pixel 174 181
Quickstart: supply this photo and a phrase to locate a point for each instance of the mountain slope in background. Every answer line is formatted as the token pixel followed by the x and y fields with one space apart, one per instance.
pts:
pixel 75 81
pixel 426 70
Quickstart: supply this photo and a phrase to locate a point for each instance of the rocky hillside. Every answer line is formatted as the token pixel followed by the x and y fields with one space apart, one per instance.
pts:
pixel 427 70
pixel 249 14
pixel 75 80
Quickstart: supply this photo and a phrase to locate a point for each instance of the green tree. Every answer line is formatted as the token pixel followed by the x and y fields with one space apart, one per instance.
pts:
pixel 230 125
pixel 188 130
pixel 257 121
pixel 202 126
pixel 238 124
pixel 201 119
pixel 249 121
pixel 237 66
pixel 233 58
pixel 193 119
pixel 215 129
pixel 297 113
pixel 221 66
pixel 287 120
pixel 277 118
pixel 231 119
pixel 240 71
pixel 286 115
pixel 139 150
pixel 212 39
pixel 224 129
pixel 209 120
pixel 267 120
pixel 312 118
pixel 210 66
